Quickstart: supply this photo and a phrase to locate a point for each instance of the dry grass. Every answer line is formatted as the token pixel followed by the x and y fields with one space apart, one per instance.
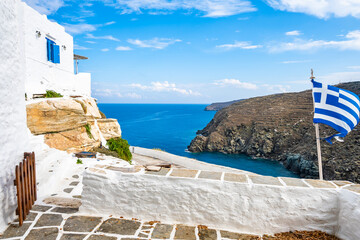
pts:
pixel 301 235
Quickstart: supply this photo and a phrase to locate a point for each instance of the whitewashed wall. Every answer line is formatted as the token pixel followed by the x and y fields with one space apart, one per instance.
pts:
pixel 13 137
pixel 42 75
pixel 243 207
pixel 349 215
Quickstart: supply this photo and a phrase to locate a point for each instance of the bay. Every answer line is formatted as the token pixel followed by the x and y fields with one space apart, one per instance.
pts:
pixel 171 127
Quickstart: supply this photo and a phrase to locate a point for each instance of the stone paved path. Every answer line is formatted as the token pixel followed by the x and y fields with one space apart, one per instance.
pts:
pixel 46 222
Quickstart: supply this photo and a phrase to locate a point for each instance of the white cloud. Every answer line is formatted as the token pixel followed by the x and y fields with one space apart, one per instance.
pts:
pixel 277 88
pixel 293 33
pixel 123 48
pixel 210 8
pixel 86 5
pixel 235 83
pixel 109 23
pixel 340 77
pixel 351 42
pixel 164 87
pixel 107 92
pixel 46 7
pixel 79 28
pixel 77 47
pixel 295 61
pixel 157 43
pixel 239 45
pixel 105 49
pixel 107 37
pixel 133 95
pixel 319 8
pixel 353 67
pixel 91 42
pixel 103 92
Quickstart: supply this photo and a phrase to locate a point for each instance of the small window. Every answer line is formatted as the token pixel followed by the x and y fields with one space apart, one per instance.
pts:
pixel 53 51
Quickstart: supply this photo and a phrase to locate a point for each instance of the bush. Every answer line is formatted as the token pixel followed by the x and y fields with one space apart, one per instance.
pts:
pixel 88 130
pixel 52 94
pixel 121 146
pixel 79 161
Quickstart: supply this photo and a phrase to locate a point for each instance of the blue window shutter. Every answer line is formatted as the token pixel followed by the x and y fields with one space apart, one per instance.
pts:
pixel 56 54
pixel 48 45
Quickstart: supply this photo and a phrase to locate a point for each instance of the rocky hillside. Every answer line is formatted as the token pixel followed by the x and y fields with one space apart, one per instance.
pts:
pixel 70 124
pixel 280 127
pixel 220 105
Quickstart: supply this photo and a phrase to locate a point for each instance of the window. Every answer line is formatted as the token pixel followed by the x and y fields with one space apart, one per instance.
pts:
pixel 53 51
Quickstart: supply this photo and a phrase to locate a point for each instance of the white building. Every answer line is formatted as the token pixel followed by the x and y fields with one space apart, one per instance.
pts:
pixel 26 68
pixel 13 129
pixel 49 56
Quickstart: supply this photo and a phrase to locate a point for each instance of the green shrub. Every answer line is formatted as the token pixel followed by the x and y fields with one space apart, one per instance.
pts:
pixel 79 161
pixel 52 94
pixel 88 130
pixel 121 146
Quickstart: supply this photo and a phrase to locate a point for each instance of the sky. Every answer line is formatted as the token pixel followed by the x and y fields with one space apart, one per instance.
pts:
pixel 204 51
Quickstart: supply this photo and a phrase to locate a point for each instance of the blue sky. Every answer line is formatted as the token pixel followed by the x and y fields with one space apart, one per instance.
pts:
pixel 203 51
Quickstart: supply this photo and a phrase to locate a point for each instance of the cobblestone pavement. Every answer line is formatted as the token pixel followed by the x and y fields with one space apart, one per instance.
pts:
pixel 48 222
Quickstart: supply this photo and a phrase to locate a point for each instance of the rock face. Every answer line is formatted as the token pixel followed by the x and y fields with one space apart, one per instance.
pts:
pixel 280 127
pixel 63 122
pixel 220 105
pixel 58 114
pixel 109 127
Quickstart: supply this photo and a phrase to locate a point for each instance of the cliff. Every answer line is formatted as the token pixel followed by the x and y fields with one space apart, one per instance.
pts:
pixel 280 127
pixel 220 105
pixel 70 124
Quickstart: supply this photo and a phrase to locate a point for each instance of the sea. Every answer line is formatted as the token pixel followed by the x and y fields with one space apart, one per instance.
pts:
pixel 171 127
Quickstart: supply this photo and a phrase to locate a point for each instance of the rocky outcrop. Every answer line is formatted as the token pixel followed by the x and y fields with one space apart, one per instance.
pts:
pixel 110 128
pixel 58 114
pixel 220 105
pixel 68 124
pixel 280 127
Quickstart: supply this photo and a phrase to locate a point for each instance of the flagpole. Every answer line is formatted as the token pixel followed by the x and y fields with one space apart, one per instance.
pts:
pixel 318 150
pixel 318 140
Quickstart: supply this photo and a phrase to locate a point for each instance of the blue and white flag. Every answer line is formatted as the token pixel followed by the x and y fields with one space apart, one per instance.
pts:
pixel 335 107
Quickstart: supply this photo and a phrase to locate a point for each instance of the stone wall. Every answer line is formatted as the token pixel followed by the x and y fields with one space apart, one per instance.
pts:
pixel 13 130
pixel 235 202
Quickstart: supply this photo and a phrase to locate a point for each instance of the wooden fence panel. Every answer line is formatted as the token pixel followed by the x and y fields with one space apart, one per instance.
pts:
pixel 25 181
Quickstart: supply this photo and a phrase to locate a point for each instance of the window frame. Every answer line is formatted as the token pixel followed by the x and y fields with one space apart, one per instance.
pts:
pixel 53 51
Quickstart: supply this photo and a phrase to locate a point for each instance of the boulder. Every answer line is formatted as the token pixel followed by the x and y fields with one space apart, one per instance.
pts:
pixel 90 107
pixel 64 123
pixel 110 128
pixel 57 115
pixel 73 140
pixel 79 139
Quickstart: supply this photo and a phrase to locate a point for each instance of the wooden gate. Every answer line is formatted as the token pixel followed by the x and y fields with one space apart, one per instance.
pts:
pixel 25 182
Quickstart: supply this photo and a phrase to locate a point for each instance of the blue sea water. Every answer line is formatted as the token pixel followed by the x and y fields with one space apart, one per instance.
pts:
pixel 171 127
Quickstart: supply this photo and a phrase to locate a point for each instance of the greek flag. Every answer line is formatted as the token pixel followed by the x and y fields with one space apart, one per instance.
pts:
pixel 335 107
